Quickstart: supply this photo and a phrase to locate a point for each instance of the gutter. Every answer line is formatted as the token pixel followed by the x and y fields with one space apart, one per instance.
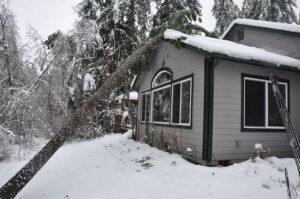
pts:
pixel 208 109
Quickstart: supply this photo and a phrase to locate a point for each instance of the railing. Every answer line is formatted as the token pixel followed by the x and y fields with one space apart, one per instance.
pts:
pixel 285 117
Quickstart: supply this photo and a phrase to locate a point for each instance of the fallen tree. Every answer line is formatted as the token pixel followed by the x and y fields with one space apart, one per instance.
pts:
pixel 80 117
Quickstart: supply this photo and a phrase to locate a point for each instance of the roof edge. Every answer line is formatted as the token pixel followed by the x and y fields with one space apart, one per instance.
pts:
pixel 237 23
pixel 221 56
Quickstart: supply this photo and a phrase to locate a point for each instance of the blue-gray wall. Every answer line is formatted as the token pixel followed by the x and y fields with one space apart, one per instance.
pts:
pixel 270 40
pixel 227 105
pixel 227 113
pixel 182 62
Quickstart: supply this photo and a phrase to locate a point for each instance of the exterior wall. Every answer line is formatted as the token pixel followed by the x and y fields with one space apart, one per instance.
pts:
pixel 273 41
pixel 227 113
pixel 182 62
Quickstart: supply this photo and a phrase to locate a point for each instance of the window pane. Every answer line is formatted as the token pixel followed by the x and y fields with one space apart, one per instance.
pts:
pixel 148 107
pixel 185 103
pixel 274 117
pixel 161 105
pixel 143 107
pixel 240 34
pixel 254 103
pixel 176 103
pixel 162 78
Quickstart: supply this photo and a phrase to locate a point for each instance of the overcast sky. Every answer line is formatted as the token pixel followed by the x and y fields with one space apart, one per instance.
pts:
pixel 48 16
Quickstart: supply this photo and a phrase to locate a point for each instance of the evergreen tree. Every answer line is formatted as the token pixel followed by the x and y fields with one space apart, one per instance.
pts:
pixel 270 10
pixel 107 32
pixel 122 25
pixel 290 15
pixel 225 11
pixel 176 14
pixel 246 9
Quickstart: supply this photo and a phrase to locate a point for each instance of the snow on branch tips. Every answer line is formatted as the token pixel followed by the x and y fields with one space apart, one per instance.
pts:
pixel 88 83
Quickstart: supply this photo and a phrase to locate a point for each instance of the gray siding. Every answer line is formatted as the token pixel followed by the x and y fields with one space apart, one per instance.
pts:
pixel 280 43
pixel 227 113
pixel 182 62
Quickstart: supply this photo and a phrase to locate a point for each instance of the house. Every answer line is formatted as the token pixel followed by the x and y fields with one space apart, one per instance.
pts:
pixel 125 105
pixel 125 101
pixel 211 100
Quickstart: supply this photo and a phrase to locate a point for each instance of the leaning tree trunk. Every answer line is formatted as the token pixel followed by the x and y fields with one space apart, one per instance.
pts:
pixel 17 182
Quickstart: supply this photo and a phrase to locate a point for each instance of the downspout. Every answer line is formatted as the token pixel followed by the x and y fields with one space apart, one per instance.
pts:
pixel 208 109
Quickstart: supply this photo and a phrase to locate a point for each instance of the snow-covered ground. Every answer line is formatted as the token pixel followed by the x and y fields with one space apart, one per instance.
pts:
pixel 115 167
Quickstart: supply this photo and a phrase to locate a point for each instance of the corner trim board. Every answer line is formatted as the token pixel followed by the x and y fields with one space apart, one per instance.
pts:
pixel 208 109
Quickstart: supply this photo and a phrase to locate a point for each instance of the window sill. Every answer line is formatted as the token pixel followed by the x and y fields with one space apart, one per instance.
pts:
pixel 169 125
pixel 267 130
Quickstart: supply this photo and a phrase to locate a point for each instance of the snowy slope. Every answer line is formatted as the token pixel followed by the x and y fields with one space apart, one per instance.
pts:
pixel 112 168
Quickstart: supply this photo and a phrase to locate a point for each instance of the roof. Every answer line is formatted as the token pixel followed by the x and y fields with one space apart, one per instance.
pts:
pixel 263 24
pixel 231 49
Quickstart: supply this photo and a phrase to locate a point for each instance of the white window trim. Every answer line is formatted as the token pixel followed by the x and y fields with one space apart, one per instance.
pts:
pixel 152 94
pixel 180 103
pixel 144 121
pixel 157 75
pixel 266 103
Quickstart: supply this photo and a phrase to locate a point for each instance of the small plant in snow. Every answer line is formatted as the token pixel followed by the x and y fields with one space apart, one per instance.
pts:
pixel 259 151
pixel 144 162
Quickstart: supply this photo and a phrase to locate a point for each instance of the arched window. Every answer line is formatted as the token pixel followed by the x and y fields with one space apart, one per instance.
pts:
pixel 162 77
pixel 168 101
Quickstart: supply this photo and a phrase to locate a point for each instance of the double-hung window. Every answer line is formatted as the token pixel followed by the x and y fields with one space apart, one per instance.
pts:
pixel 259 106
pixel 181 102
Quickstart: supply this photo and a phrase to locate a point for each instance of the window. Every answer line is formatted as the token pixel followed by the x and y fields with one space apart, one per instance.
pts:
pixel 259 105
pixel 146 101
pixel 240 34
pixel 181 102
pixel 161 102
pixel 169 102
pixel 161 78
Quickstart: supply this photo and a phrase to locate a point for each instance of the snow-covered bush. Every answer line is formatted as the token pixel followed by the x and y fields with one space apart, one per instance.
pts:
pixel 259 151
pixel 5 150
pixel 100 124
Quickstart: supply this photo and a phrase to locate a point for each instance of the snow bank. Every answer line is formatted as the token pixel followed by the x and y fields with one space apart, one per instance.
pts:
pixel 232 49
pixel 115 167
pixel 263 24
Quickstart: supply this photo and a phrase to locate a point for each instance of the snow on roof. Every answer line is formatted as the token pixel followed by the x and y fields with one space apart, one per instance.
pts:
pixel 232 49
pixel 132 96
pixel 263 24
